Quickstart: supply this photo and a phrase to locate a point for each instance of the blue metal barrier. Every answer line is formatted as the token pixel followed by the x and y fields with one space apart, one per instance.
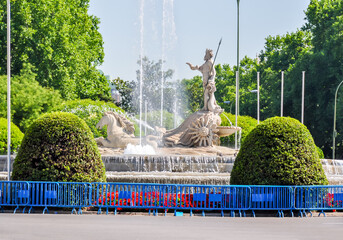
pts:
pixel 13 193
pixel 164 197
pixel 74 195
pixel 126 195
pixel 43 194
pixel 320 198
pixel 278 198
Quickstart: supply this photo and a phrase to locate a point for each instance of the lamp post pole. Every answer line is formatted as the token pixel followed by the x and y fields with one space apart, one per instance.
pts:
pixel 303 98
pixel 8 90
pixel 282 82
pixel 237 77
pixel 334 124
pixel 258 97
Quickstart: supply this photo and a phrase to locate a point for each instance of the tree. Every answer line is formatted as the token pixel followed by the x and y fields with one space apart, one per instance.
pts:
pixel 62 43
pixel 125 89
pixel 152 75
pixel 326 66
pixel 282 53
pixel 193 93
pixel 28 99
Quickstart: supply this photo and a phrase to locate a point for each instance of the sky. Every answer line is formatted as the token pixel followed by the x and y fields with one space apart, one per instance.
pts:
pixel 179 31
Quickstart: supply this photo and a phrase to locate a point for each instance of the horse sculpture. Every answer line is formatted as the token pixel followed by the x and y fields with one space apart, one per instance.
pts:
pixel 119 131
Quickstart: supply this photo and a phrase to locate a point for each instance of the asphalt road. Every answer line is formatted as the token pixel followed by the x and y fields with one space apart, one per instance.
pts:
pixel 100 227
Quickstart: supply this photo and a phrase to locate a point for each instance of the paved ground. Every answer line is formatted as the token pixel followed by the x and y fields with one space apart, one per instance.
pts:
pixel 100 227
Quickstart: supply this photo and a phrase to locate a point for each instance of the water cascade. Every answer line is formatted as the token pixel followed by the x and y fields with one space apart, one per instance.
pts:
pixel 213 170
pixel 168 40
pixel 141 18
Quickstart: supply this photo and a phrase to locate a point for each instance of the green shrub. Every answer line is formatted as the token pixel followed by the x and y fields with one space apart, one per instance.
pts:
pixel 90 111
pixel 247 124
pixel 279 151
pixel 320 152
pixel 16 136
pixel 59 147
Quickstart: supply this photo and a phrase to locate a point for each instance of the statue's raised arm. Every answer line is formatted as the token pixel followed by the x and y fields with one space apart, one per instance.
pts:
pixel 196 67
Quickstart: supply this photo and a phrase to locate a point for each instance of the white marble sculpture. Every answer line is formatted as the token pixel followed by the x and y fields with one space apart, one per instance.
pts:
pixel 208 78
pixel 119 131
pixel 202 128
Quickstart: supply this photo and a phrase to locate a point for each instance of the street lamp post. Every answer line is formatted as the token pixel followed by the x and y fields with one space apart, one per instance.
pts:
pixel 258 97
pixel 282 82
pixel 303 98
pixel 334 124
pixel 237 106
pixel 237 76
pixel 8 90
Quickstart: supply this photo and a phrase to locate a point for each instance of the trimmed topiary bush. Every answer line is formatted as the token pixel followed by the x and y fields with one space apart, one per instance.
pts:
pixel 16 137
pixel 279 151
pixel 59 147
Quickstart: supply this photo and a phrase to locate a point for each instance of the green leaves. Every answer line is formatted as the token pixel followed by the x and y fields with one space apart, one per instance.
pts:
pixel 151 89
pixel 28 99
pixel 62 43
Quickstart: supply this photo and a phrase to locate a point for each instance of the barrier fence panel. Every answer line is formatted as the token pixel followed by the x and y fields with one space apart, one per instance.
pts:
pixel 43 194
pixel 14 193
pixel 201 197
pixel 74 195
pixel 124 195
pixel 320 198
pixel 241 199
pixel 197 197
pixel 271 198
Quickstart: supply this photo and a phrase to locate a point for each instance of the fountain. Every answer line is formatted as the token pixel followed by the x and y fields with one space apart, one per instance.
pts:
pixel 188 154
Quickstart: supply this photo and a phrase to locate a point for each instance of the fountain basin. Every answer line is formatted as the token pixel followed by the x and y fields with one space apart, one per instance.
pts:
pixel 227 130
pixel 176 169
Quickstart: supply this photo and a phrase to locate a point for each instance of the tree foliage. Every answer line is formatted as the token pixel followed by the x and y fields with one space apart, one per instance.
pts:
pixel 317 49
pixel 62 43
pixel 29 100
pixel 152 75
pixel 126 91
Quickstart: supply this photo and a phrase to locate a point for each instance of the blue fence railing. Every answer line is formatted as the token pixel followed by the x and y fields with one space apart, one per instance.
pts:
pixel 163 197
